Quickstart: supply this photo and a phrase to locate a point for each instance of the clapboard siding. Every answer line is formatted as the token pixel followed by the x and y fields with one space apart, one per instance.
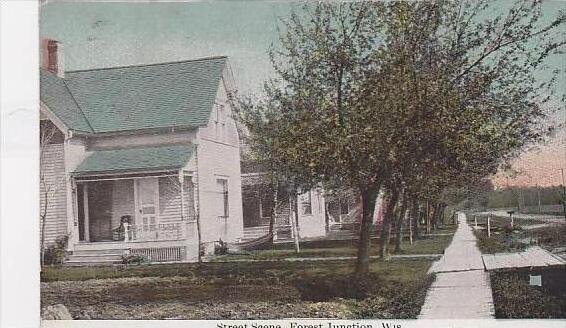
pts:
pixel 170 200
pixel 53 186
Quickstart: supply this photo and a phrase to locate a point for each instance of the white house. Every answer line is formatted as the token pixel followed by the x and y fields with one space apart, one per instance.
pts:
pixel 133 155
pixel 260 202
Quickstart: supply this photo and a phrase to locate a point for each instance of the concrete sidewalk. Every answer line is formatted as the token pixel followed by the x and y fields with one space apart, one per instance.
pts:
pixel 461 289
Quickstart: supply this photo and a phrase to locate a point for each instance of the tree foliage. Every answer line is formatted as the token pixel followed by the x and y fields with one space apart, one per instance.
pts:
pixel 415 97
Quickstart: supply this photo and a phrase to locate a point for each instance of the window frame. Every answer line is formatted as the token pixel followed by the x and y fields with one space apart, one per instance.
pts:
pixel 225 197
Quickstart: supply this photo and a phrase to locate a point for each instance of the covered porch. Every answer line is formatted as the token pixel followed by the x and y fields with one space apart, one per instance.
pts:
pixel 140 198
pixel 259 198
pixel 140 208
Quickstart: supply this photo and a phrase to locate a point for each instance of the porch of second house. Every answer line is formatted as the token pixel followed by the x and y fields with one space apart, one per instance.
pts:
pixel 258 202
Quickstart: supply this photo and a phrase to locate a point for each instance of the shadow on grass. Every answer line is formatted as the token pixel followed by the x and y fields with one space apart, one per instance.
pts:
pixel 392 289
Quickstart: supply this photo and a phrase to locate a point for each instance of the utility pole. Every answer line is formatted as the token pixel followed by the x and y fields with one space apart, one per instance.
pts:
pixel 521 199
pixel 563 193
pixel 538 196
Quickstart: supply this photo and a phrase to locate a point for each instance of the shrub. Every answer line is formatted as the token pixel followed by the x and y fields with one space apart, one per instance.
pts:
pixel 130 258
pixel 56 252
pixel 220 248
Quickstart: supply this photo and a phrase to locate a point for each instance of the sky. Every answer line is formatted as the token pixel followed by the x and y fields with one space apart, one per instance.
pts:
pixel 108 34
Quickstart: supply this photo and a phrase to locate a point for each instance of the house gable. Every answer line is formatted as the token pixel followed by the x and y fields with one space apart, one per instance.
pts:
pixel 218 162
pixel 131 98
pixel 221 126
pixel 58 104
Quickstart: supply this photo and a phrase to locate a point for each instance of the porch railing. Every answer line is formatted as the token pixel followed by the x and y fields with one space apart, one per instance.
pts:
pixel 162 231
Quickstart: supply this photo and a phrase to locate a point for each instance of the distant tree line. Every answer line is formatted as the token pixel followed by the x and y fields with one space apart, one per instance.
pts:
pixel 525 196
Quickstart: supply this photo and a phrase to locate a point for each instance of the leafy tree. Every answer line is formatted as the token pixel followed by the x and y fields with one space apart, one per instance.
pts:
pixel 416 96
pixel 460 86
pixel 309 125
pixel 49 184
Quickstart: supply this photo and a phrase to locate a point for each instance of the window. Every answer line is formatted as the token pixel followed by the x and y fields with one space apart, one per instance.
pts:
pixel 306 203
pixel 49 133
pixel 220 114
pixel 344 207
pixel 220 120
pixel 223 190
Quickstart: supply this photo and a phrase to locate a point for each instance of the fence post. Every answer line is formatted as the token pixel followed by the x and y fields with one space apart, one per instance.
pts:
pixel 512 221
pixel 411 230
pixel 475 221
pixel 489 226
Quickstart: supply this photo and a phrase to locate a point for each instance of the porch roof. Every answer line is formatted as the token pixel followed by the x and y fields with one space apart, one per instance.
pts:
pixel 135 159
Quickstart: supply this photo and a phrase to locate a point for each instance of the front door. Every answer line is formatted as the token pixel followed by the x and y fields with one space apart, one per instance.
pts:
pixel 147 220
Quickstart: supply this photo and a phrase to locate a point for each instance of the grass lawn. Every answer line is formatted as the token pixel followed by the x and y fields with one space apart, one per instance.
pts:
pixel 250 290
pixel 503 239
pixel 434 244
pixel 258 290
pixel 427 245
pixel 514 298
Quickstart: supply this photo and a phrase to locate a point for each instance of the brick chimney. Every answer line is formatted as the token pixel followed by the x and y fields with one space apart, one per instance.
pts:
pixel 52 57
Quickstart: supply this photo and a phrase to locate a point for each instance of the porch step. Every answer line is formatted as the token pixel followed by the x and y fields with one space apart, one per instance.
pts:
pixel 84 256
pixel 255 232
pixel 91 262
pixel 92 257
pixel 110 246
pixel 87 252
pixel 342 233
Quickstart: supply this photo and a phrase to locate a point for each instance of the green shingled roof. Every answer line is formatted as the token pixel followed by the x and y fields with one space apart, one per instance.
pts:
pixel 56 96
pixel 179 94
pixel 135 159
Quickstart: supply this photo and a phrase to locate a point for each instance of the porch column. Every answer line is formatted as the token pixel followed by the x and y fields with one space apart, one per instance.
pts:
pixel 72 219
pixel 85 213
pixel 181 182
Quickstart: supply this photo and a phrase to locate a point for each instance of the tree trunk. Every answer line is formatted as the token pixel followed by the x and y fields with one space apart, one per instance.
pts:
pixel 295 221
pixel 199 237
pixel 43 218
pixel 399 223
pixel 427 217
pixel 326 218
pixel 275 186
pixel 434 216
pixel 416 218
pixel 386 226
pixel 441 215
pixel 368 197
